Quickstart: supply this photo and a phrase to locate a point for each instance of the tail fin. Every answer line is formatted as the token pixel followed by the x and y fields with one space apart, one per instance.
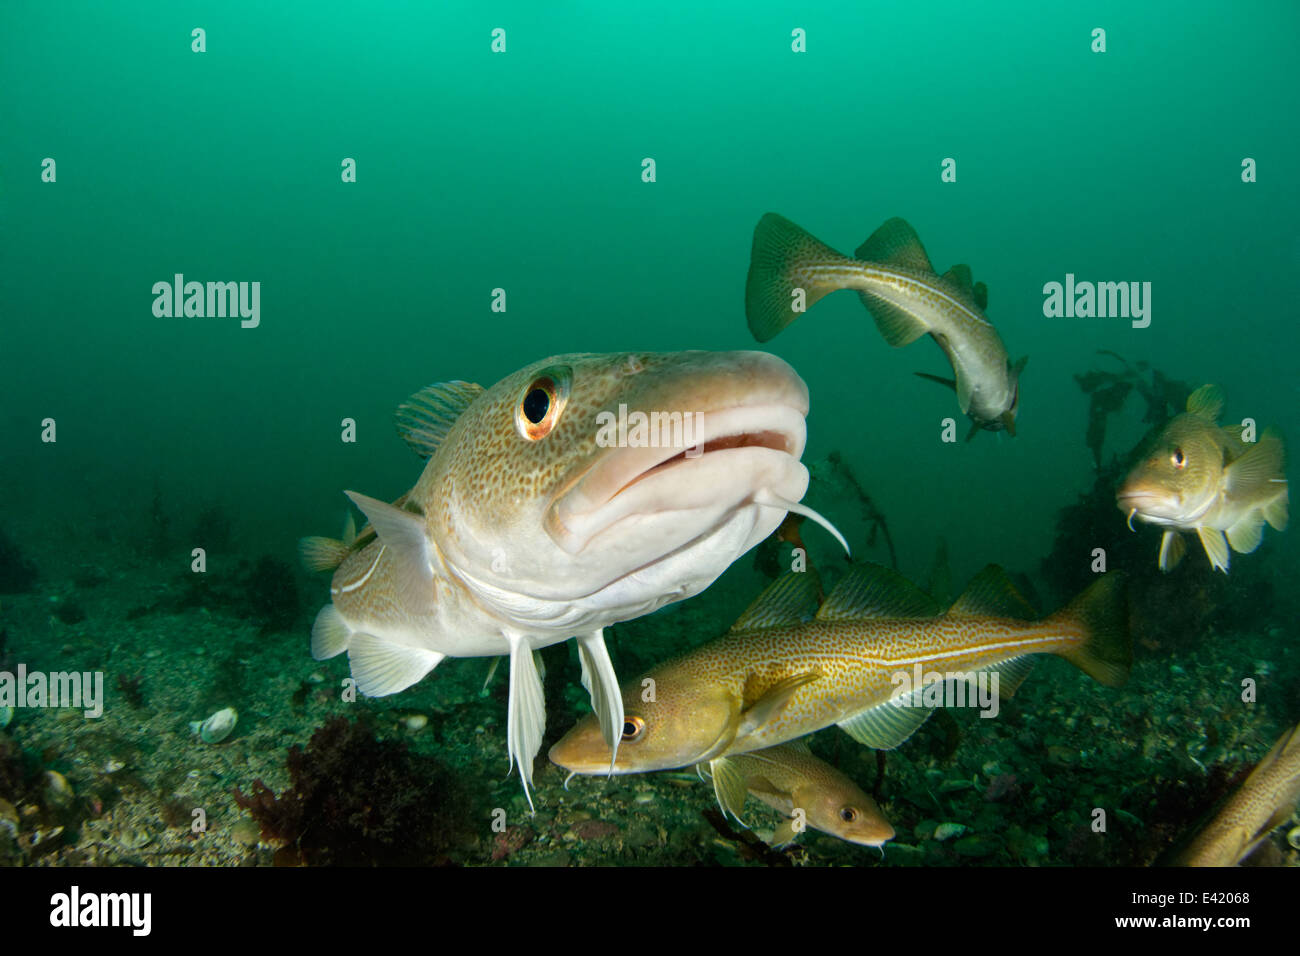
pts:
pixel 781 261
pixel 1106 654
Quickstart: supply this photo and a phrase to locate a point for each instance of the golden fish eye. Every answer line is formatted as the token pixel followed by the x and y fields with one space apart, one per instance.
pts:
pixel 633 727
pixel 1178 458
pixel 848 814
pixel 541 403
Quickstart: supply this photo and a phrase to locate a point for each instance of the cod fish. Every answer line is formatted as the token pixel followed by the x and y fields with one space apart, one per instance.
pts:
pixel 788 778
pixel 1193 475
pixel 535 521
pixel 776 677
pixel 1264 801
pixel 892 275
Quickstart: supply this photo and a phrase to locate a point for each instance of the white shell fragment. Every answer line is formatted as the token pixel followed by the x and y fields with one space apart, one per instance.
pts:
pixel 217 727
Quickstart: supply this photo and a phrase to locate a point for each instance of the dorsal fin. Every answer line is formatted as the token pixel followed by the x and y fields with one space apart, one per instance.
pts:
pixel 424 419
pixel 981 293
pixel 959 281
pixel 895 243
pixel 991 594
pixel 1206 402
pixel 787 600
pixel 869 590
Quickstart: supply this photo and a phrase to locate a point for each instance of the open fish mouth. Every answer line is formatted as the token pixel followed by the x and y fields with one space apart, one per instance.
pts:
pixel 728 457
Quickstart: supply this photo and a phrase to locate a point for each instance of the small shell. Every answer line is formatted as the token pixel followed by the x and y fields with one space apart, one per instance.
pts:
pixel 416 722
pixel 217 727
pixel 6 716
pixel 58 791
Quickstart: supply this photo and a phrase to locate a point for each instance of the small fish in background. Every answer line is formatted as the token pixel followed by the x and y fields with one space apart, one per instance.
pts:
pixel 777 676
pixel 789 778
pixel 894 278
pixel 1194 475
pixel 1264 801
pixel 529 526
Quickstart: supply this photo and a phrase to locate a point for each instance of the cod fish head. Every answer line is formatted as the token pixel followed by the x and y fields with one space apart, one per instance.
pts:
pixel 607 485
pixel 684 723
pixel 849 813
pixel 1177 475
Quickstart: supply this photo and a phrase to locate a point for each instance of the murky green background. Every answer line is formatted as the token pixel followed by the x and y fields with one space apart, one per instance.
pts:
pixel 522 171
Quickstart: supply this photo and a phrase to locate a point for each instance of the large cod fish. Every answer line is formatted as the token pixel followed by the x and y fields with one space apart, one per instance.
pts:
pixel 776 677
pixel 1193 475
pixel 894 278
pixel 535 520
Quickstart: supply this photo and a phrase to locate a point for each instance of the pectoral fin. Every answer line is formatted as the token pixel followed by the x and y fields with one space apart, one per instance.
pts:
pixel 1216 547
pixel 606 699
pixel 763 710
pixel 1247 533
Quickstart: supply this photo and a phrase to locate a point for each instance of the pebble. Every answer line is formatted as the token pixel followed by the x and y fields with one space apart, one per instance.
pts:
pixel 946 831
pixel 217 727
pixel 416 723
pixel 57 789
pixel 113 765
pixel 644 798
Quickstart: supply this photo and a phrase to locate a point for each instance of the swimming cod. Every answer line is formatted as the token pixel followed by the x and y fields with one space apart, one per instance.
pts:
pixel 894 278
pixel 790 779
pixel 1264 800
pixel 1193 475
pixel 535 521
pixel 776 677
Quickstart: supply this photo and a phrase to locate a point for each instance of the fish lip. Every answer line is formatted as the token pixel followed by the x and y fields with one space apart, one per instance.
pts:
pixel 589 503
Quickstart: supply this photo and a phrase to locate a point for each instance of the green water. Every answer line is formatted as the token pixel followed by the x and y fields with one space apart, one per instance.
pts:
pixel 522 170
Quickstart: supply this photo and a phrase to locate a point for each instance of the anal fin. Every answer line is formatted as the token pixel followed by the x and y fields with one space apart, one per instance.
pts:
pixel 887 725
pixel 329 634
pixel 381 667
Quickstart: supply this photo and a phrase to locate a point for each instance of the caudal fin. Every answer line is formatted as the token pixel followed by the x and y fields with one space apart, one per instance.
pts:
pixel 1106 653
pixel 784 258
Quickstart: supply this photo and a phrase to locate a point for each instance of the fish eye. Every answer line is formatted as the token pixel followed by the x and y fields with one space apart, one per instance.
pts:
pixel 541 403
pixel 633 727
pixel 848 814
pixel 1178 459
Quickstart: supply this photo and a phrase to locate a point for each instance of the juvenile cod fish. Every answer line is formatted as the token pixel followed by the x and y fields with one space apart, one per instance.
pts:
pixel 788 778
pixel 894 278
pixel 535 520
pixel 1264 801
pixel 775 677
pixel 1194 475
